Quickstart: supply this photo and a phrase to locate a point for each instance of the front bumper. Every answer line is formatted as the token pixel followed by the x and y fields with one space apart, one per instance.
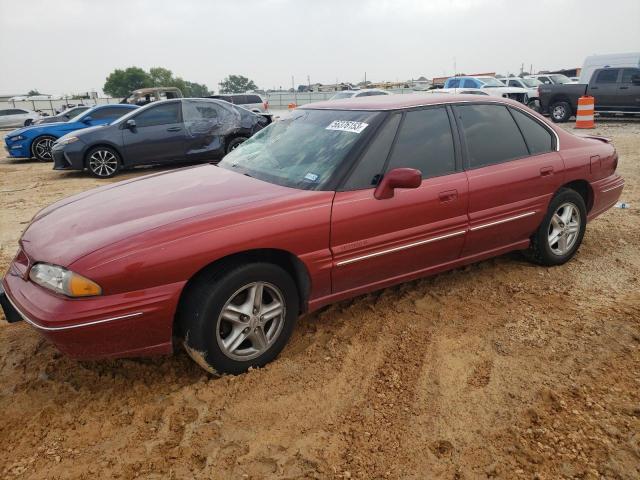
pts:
pixel 111 326
pixel 68 157
pixel 19 149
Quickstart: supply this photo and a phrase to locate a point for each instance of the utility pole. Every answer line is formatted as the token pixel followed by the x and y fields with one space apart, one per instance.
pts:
pixel 365 79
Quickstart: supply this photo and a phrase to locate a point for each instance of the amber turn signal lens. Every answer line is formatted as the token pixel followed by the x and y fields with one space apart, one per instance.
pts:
pixel 78 286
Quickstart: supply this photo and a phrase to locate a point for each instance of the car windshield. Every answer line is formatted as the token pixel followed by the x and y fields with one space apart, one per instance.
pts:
pixel 559 78
pixel 303 150
pixel 491 82
pixel 342 95
pixel 81 114
pixel 531 82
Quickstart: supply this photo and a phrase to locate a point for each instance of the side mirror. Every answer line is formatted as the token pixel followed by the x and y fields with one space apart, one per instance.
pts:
pixel 397 178
pixel 130 124
pixel 88 119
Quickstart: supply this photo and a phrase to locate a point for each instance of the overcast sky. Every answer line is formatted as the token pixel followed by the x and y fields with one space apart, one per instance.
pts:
pixel 72 45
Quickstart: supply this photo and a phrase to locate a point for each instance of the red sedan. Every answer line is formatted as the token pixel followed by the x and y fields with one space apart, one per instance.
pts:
pixel 340 199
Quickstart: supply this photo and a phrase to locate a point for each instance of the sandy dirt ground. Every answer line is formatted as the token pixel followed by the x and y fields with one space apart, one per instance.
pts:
pixel 497 370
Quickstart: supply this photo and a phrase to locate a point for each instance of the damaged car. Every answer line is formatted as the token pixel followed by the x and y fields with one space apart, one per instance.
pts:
pixel 340 198
pixel 187 130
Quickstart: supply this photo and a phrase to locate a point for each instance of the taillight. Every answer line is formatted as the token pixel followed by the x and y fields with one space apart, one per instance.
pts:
pixel 266 104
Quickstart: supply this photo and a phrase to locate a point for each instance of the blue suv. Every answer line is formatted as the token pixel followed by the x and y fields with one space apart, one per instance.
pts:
pixel 37 140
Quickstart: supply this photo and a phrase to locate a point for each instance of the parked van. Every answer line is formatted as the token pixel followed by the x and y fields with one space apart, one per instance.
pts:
pixel 594 62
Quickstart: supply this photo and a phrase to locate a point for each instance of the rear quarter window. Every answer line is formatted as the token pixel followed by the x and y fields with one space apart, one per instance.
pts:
pixel 253 99
pixel 539 139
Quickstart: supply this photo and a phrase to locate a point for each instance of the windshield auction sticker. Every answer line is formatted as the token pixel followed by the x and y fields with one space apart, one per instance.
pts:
pixel 347 126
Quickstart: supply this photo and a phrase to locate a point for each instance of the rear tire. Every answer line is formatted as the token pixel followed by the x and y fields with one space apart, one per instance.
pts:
pixel 560 112
pixel 534 105
pixel 41 148
pixel 238 316
pixel 103 162
pixel 233 144
pixel 561 232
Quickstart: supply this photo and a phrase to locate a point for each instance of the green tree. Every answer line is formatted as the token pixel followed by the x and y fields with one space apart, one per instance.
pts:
pixel 161 77
pixel 237 84
pixel 121 82
pixel 34 92
pixel 192 89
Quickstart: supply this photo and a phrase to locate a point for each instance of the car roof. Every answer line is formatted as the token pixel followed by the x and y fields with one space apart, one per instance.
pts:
pixel 117 105
pixel 399 102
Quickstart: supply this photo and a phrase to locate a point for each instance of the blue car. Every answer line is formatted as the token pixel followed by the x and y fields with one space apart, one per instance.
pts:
pixel 37 140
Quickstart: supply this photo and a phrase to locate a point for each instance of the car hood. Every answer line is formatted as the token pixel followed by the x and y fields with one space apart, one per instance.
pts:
pixel 81 224
pixel 82 132
pixel 506 89
pixel 35 129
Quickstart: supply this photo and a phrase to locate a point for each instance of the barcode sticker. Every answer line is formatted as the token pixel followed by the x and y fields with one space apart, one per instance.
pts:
pixel 347 126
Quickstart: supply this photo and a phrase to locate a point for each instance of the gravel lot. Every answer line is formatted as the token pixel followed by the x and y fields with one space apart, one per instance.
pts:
pixel 499 369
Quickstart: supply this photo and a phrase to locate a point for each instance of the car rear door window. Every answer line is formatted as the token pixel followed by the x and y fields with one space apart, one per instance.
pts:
pixel 425 142
pixel 491 134
pixel 106 113
pixel 454 83
pixel 240 99
pixel 253 99
pixel 629 73
pixel 608 76
pixel 369 168
pixel 539 139
pixel 469 83
pixel 164 114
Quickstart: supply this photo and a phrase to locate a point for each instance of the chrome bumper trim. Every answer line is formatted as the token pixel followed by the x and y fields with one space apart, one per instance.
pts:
pixel 68 327
pixel 612 188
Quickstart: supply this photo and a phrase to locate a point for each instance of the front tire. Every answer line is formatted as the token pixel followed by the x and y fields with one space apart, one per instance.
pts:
pixel 560 112
pixel 103 162
pixel 561 232
pixel 41 148
pixel 235 143
pixel 238 317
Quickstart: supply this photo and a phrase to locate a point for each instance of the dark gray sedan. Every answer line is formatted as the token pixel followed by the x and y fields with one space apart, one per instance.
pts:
pixel 186 130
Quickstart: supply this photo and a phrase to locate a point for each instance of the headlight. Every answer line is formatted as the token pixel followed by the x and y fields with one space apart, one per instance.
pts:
pixel 67 141
pixel 63 281
pixel 17 138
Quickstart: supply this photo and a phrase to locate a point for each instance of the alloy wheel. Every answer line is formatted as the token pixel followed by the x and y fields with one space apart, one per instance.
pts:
pixel 103 163
pixel 42 148
pixel 564 229
pixel 251 321
pixel 559 112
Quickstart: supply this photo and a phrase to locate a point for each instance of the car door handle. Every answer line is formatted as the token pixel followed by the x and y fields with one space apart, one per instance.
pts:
pixel 624 88
pixel 448 196
pixel 174 129
pixel 594 88
pixel 546 171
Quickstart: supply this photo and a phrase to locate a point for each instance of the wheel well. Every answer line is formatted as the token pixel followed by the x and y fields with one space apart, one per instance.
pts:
pixel 291 264
pixel 44 135
pixel 584 189
pixel 560 98
pixel 86 153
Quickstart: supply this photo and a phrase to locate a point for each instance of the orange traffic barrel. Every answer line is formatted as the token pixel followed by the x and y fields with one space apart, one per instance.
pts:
pixel 586 108
pixel 292 105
